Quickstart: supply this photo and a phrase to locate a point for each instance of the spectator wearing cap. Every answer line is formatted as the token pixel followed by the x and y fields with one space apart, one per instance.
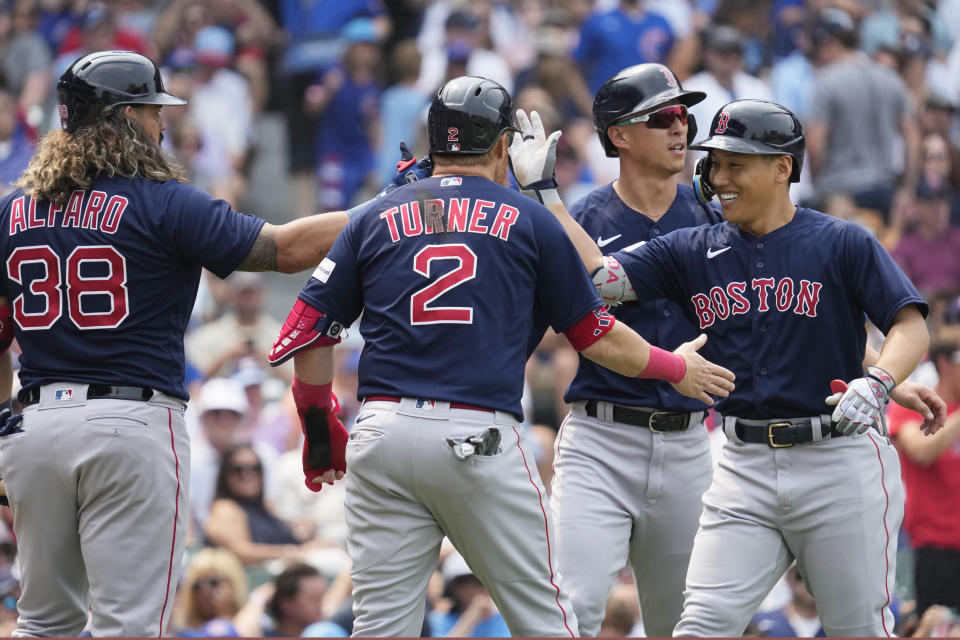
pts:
pixel 627 35
pixel 221 104
pixel 97 30
pixel 346 99
pixel 472 613
pixel 858 110
pixel 931 475
pixel 212 591
pixel 928 248
pixel 722 79
pixel 245 330
pixel 223 408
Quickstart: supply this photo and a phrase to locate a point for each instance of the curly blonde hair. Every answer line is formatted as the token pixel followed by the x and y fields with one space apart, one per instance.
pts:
pixel 115 146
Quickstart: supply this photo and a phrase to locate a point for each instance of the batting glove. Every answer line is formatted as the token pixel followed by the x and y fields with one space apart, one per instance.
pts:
pixel 409 169
pixel 861 405
pixel 9 423
pixel 325 438
pixel 532 158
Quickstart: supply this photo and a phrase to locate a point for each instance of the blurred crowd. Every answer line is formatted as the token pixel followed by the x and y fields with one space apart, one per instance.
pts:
pixel 876 83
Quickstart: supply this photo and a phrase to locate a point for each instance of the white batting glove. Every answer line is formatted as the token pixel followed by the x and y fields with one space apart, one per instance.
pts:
pixel 861 405
pixel 532 158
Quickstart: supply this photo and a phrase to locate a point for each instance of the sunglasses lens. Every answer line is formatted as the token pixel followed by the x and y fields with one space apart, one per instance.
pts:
pixel 663 119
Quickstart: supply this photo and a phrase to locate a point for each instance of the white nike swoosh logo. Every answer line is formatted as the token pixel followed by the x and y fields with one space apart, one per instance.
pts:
pixel 634 246
pixel 602 242
pixel 713 254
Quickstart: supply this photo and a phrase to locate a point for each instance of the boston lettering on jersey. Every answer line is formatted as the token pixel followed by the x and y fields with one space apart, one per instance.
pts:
pixel 84 210
pixel 784 295
pixel 463 215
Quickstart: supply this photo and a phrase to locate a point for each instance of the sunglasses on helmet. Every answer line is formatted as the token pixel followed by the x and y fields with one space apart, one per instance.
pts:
pixel 661 118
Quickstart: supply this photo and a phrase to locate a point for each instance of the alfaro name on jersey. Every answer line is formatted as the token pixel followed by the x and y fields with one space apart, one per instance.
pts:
pixel 102 212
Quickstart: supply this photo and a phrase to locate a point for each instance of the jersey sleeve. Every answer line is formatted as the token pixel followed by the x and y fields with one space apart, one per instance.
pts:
pixel 334 287
pixel 564 291
pixel 654 269
pixel 879 286
pixel 206 230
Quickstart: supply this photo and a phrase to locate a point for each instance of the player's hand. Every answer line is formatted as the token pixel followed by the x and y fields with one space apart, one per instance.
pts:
pixel 703 379
pixel 859 406
pixel 924 401
pixel 533 155
pixel 324 445
pixel 409 169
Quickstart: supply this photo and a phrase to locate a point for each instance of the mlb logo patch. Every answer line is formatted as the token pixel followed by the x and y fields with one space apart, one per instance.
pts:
pixel 453 146
pixel 425 404
pixel 63 394
pixel 451 182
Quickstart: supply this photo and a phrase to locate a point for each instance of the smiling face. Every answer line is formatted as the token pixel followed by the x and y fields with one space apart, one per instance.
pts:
pixel 748 185
pixel 656 149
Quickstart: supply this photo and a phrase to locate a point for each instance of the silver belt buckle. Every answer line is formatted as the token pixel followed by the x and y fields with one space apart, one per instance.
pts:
pixel 653 417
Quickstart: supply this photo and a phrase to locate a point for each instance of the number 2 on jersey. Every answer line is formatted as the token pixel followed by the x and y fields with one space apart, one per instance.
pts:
pixel 48 287
pixel 420 313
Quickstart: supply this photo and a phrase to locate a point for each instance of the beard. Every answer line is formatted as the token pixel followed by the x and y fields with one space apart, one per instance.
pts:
pixel 500 174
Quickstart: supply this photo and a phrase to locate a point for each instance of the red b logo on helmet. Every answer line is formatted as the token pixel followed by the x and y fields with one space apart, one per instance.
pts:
pixel 671 79
pixel 722 122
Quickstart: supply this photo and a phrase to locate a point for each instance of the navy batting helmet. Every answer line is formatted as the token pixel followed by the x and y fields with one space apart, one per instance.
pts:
pixel 635 89
pixel 467 116
pixel 757 127
pixel 103 79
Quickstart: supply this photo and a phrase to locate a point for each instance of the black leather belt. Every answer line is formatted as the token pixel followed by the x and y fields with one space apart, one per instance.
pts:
pixel 783 434
pixel 31 396
pixel 657 421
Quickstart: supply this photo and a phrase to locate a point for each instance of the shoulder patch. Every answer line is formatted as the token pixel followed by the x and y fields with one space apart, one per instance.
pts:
pixel 324 270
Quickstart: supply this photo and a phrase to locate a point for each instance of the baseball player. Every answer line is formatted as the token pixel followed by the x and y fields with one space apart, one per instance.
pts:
pixel 782 292
pixel 633 456
pixel 103 246
pixel 457 277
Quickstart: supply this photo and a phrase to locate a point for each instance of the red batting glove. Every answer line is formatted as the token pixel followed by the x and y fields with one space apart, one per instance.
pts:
pixel 325 438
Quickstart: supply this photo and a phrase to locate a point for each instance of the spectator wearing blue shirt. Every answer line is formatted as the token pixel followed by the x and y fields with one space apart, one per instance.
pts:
pixel 15 146
pixel 473 614
pixel 347 99
pixel 613 40
pixel 797 619
pixel 401 108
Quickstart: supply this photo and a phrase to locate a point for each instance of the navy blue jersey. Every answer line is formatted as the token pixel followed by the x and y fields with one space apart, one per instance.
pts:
pixel 102 288
pixel 784 312
pixel 451 315
pixel 616 227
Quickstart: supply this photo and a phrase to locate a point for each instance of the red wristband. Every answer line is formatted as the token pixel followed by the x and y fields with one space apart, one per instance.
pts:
pixel 664 366
pixel 312 395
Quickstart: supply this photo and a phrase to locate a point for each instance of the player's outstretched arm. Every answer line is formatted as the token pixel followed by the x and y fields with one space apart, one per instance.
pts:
pixel 533 156
pixel 623 350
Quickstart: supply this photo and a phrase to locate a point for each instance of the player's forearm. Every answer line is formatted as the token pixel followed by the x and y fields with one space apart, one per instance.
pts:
pixel 6 376
pixel 314 366
pixel 587 249
pixel 621 350
pixel 302 244
pixel 905 345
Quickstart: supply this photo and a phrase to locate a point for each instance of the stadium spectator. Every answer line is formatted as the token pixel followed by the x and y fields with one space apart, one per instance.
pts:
pixel 240 519
pixel 931 474
pixel 347 101
pixel 472 613
pixel 627 35
pixel 401 109
pixel 15 147
pixel 212 592
pixel 97 30
pixel 854 98
pixel 246 330
pixel 927 250
pixel 797 619
pixel 25 62
pixel 297 603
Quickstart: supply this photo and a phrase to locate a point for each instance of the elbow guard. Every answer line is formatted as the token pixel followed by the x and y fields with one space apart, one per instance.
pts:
pixel 305 328
pixel 591 328
pixel 6 328
pixel 612 282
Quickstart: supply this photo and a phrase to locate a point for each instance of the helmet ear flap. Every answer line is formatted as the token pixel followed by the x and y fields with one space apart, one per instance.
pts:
pixel 691 128
pixel 702 187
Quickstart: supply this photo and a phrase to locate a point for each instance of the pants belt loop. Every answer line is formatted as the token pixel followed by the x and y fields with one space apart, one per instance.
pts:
pixel 730 428
pixel 816 423
pixel 605 411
